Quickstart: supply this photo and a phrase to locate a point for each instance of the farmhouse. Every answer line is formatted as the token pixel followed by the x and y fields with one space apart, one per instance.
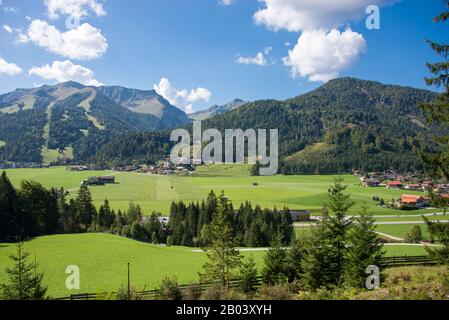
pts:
pixel 372 183
pixel 414 187
pixel 412 201
pixel 107 179
pixel 394 184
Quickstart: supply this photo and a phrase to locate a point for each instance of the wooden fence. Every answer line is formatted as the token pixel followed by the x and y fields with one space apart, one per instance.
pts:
pixel 387 262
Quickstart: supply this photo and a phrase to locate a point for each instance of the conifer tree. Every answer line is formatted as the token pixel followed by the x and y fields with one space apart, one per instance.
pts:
pixel 275 262
pixel 364 249
pixel 86 210
pixel 248 276
pixel 25 282
pixel 438 110
pixel 223 257
pixel 8 209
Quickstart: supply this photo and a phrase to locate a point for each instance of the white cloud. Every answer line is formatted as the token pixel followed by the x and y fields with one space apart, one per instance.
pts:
pixel 300 15
pixel 8 9
pixel 83 43
pixel 321 55
pixel 62 71
pixel 183 99
pixel 78 8
pixel 9 69
pixel 7 28
pixel 226 2
pixel 259 59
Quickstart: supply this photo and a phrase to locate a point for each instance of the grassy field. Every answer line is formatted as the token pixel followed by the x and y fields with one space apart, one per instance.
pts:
pixel 103 259
pixel 400 230
pixel 157 192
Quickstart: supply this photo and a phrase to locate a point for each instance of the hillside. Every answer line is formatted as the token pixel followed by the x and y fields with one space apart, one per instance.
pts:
pixel 71 121
pixel 217 110
pixel 343 125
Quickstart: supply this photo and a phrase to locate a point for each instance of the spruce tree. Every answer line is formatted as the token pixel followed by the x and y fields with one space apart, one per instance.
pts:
pixel 223 257
pixel 438 110
pixel 86 210
pixel 364 249
pixel 275 262
pixel 248 276
pixel 25 282
pixel 439 231
pixel 326 250
pixel 8 209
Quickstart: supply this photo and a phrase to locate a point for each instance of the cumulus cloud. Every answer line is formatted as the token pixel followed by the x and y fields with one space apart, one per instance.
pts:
pixel 9 69
pixel 183 99
pixel 259 59
pixel 7 28
pixel 62 71
pixel 322 50
pixel 300 15
pixel 321 55
pixel 82 43
pixel 78 8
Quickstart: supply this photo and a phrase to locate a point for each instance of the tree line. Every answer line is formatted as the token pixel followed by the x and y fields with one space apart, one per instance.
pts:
pixel 190 225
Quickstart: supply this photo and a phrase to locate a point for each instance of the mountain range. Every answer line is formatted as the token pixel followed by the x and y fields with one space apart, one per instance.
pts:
pixel 345 124
pixel 70 120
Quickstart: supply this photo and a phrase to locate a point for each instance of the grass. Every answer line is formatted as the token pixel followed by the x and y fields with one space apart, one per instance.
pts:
pixel 2 143
pixel 400 230
pixel 157 192
pixel 50 155
pixel 103 258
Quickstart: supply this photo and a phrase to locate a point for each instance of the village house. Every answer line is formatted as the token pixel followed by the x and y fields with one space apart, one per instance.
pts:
pixel 394 184
pixel 300 215
pixel 371 183
pixel 412 201
pixel 413 187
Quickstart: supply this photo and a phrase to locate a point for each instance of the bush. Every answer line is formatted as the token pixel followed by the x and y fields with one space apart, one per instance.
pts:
pixel 169 290
pixel 277 292
pixel 415 235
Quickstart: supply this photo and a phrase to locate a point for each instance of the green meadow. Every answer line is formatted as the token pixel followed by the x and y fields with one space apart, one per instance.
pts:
pixel 103 258
pixel 155 193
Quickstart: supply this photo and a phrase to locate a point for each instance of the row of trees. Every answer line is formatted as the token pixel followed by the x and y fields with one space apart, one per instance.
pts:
pixel 190 225
pixel 34 210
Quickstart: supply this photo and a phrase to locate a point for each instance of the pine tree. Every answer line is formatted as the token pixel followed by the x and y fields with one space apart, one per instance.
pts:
pixel 364 249
pixel 8 209
pixel 248 276
pixel 438 110
pixel 275 271
pixel 326 250
pixel 223 257
pixel 439 231
pixel 294 259
pixel 86 210
pixel 25 282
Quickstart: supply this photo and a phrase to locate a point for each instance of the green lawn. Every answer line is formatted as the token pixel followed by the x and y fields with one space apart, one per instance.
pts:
pixel 157 192
pixel 103 258
pixel 400 230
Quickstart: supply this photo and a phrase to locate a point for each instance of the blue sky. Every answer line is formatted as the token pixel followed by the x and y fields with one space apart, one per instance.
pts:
pixel 209 53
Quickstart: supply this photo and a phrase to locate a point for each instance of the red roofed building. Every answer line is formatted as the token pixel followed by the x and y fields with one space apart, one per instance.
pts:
pixel 394 184
pixel 412 201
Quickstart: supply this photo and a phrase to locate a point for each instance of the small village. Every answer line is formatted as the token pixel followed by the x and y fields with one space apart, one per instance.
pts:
pixel 415 182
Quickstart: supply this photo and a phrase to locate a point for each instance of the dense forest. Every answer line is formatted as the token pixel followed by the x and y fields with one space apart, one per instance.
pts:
pixel 345 124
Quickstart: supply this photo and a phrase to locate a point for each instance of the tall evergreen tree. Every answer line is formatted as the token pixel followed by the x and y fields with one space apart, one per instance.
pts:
pixel 25 282
pixel 223 257
pixel 364 249
pixel 439 231
pixel 275 266
pixel 438 110
pixel 326 250
pixel 9 212
pixel 86 210
pixel 248 276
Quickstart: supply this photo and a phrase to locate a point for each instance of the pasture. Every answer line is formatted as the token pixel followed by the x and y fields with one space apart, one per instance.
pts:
pixel 103 258
pixel 155 193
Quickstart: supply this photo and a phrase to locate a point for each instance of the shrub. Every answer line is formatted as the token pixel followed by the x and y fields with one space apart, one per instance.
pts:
pixel 169 290
pixel 415 235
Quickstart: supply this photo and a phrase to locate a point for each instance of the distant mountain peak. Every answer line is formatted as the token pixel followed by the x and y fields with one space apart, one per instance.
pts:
pixel 218 109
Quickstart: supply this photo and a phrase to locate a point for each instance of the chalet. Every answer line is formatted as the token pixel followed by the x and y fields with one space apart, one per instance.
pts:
pixel 412 201
pixel 300 215
pixel 78 168
pixel 442 188
pixel 394 184
pixel 413 187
